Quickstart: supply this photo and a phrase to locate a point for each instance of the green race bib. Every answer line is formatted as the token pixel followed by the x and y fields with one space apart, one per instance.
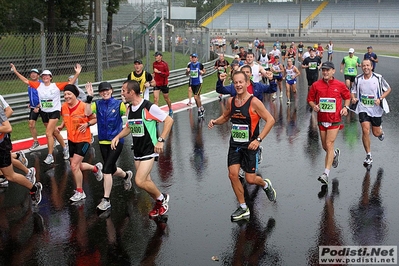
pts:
pixel 46 103
pixel 136 127
pixel 240 133
pixel 368 100
pixel 327 105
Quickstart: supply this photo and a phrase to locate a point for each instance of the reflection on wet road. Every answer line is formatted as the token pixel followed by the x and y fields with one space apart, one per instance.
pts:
pixel 359 208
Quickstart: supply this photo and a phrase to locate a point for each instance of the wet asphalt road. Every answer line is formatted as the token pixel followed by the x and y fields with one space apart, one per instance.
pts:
pixel 358 208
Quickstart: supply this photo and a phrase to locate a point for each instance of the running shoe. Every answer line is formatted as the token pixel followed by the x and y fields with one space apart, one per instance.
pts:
pixel 3 182
pixel 281 94
pixel 66 152
pixel 35 145
pixel 274 96
pixel 336 158
pixel 22 158
pixel 288 101
pixel 368 160
pixel 127 183
pixel 78 196
pixel 31 176
pixel 37 196
pixel 99 174
pixel 170 112
pixel 49 159
pixel 260 157
pixel 270 191
pixel 189 103
pixel 323 179
pixel 382 136
pixel 104 204
pixel 240 214
pixel 160 207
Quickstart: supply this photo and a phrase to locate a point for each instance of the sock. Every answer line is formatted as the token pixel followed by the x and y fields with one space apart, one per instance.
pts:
pixel 79 189
pixel 243 206
pixel 106 198
pixel 161 197
pixel 266 185
pixel 17 156
pixel 126 176
pixel 369 153
pixel 327 171
pixel 95 169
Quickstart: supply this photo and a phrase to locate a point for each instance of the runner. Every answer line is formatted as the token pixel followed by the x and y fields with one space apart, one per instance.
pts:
pixel 300 51
pixel 142 124
pixel 330 50
pixel 77 117
pixel 196 70
pixel 312 65
pixel 143 78
pixel 245 112
pixel 50 103
pixel 291 73
pixel 109 112
pixel 349 65
pixel 278 70
pixel 370 91
pixel 325 97
pixel 161 74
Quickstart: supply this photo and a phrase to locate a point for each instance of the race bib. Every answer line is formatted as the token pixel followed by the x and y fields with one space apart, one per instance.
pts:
pixel 312 65
pixel 46 103
pixel 368 100
pixel 136 127
pixel 351 70
pixel 240 133
pixel 288 77
pixel 194 73
pixel 327 105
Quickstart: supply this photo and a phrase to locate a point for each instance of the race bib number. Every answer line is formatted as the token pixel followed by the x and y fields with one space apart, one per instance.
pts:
pixel 368 100
pixel 194 73
pixel 288 77
pixel 136 127
pixel 240 133
pixel 351 70
pixel 46 103
pixel 327 105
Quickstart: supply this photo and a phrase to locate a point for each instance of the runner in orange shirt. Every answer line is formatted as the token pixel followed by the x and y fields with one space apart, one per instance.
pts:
pixel 77 118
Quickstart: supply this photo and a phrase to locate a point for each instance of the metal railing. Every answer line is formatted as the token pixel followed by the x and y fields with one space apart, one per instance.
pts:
pixel 19 101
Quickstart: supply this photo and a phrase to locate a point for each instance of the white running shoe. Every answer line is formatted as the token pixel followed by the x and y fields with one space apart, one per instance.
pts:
pixel 31 176
pixel 99 174
pixel 78 196
pixel 49 159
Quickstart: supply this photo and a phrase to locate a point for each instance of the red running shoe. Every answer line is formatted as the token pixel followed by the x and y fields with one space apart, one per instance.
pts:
pixel 160 207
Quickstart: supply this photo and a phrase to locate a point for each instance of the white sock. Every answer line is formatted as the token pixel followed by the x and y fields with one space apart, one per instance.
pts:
pixel 243 206
pixel 161 197
pixel 327 171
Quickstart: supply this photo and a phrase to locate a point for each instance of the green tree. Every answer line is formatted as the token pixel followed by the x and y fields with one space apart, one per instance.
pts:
pixel 112 8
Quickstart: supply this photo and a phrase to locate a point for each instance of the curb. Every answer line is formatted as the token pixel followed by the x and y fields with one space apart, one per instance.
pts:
pixel 180 106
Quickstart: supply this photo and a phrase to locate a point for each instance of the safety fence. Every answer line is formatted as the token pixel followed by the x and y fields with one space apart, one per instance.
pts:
pixel 19 101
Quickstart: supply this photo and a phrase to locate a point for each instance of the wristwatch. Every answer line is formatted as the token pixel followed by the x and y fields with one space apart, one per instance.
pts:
pixel 160 139
pixel 88 123
pixel 259 139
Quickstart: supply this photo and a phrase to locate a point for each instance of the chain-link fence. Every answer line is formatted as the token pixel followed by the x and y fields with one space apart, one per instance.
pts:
pixel 59 52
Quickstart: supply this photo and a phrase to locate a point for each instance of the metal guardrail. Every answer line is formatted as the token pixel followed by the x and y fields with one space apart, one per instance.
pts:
pixel 19 101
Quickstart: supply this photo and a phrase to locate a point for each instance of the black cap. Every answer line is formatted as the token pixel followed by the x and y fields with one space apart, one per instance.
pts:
pixel 311 49
pixel 104 86
pixel 158 53
pixel 276 57
pixel 72 88
pixel 369 47
pixel 327 65
pixel 138 61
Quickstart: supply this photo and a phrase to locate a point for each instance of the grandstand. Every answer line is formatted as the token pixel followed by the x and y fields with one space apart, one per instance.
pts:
pixel 362 18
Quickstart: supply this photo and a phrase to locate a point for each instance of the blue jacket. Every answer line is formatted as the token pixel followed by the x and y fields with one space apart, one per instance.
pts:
pixel 259 88
pixel 109 120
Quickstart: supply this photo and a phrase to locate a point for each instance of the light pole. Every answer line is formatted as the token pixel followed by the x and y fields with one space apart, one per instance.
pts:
pixel 300 17
pixel 42 43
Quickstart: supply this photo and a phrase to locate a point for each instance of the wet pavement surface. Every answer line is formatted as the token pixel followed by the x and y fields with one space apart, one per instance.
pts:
pixel 358 208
